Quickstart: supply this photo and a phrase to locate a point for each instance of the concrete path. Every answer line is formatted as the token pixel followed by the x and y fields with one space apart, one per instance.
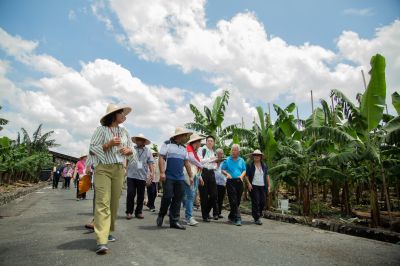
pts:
pixel 46 228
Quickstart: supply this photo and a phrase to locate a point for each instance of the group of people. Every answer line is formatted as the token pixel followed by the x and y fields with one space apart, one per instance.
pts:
pixel 74 172
pixel 185 168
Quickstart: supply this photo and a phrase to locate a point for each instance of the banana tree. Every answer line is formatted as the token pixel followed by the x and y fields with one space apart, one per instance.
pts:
pixel 364 120
pixel 2 121
pixel 210 123
pixel 38 142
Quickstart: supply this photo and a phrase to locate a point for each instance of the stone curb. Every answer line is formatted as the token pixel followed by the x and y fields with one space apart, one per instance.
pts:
pixel 348 229
pixel 8 197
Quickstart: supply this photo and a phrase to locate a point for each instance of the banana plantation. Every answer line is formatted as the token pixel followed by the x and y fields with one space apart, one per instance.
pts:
pixel 345 156
pixel 24 158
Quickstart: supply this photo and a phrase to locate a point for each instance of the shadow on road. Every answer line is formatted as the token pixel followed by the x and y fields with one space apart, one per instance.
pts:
pixel 151 227
pixel 88 244
pixel 75 228
pixel 86 213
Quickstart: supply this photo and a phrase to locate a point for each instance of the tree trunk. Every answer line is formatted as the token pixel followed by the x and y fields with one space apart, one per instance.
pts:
pixel 312 191
pixel 317 188
pixel 358 193
pixel 375 215
pixel 346 207
pixel 306 200
pixel 385 189
pixel 324 192
pixel 335 193
pixel 398 192
pixel 300 197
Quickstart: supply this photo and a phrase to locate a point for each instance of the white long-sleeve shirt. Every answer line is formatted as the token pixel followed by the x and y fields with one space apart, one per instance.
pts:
pixel 206 160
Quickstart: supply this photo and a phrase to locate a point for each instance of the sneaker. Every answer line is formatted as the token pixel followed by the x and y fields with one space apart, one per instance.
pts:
pixel 111 238
pixel 238 222
pixel 206 220
pixel 258 222
pixel 128 216
pixel 215 217
pixel 192 222
pixel 101 249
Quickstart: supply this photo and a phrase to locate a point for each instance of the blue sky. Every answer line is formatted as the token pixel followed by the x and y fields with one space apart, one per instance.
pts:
pixel 76 35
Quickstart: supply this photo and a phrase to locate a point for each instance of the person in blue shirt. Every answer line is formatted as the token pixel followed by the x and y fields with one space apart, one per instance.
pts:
pixel 234 168
pixel 173 158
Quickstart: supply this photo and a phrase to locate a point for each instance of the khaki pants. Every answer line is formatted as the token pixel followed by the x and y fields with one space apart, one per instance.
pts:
pixel 108 182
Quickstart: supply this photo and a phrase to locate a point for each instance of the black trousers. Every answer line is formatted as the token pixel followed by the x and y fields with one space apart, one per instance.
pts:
pixel 208 193
pixel 173 191
pixel 234 187
pixel 82 195
pixel 258 197
pixel 220 199
pixel 56 179
pixel 135 187
pixel 67 182
pixel 151 195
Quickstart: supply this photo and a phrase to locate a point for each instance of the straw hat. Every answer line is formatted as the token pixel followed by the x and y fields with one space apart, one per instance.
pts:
pixel 82 156
pixel 67 163
pixel 194 137
pixel 257 152
pixel 181 131
pixel 111 108
pixel 141 136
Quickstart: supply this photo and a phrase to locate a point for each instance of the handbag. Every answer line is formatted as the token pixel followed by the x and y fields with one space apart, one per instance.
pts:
pixel 85 183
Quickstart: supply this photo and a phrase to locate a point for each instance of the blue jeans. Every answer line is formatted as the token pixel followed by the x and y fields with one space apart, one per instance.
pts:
pixel 189 197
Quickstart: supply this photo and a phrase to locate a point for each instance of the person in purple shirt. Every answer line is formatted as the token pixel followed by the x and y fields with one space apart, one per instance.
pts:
pixel 234 168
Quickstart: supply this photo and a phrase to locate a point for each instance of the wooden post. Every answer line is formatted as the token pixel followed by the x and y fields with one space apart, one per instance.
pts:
pixel 312 102
pixel 363 76
pixel 298 119
pixel 316 183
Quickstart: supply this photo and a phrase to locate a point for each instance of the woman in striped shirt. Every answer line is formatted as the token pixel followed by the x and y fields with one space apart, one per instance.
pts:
pixel 111 146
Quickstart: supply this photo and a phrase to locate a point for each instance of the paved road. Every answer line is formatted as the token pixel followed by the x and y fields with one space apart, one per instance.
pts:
pixel 46 228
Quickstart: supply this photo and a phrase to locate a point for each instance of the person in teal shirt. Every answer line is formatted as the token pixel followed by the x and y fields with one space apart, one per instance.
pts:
pixel 234 168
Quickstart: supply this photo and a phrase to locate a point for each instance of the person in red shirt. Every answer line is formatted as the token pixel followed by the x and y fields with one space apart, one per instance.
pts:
pixel 192 147
pixel 80 170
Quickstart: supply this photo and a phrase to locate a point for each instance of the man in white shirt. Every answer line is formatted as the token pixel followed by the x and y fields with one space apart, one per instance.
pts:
pixel 208 185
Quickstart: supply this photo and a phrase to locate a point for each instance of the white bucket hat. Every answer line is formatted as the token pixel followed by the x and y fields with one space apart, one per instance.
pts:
pixel 111 108
pixel 141 136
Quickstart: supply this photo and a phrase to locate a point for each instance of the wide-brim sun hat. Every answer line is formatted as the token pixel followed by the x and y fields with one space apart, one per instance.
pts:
pixel 194 137
pixel 82 156
pixel 257 152
pixel 181 131
pixel 141 136
pixel 111 108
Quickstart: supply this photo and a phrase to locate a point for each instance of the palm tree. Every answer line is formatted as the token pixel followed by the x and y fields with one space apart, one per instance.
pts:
pixel 2 121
